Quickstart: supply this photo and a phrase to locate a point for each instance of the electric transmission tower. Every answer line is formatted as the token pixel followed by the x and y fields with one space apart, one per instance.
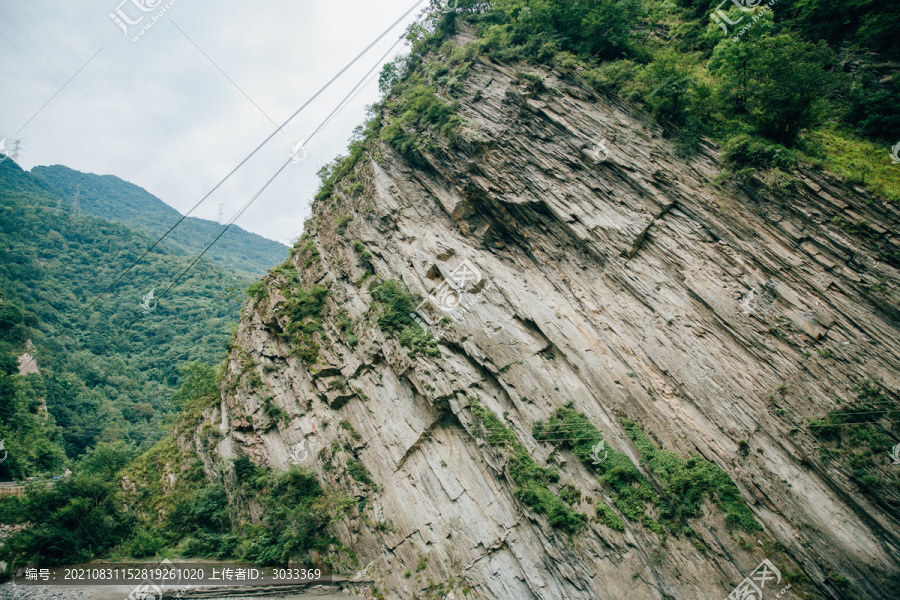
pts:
pixel 221 213
pixel 13 152
pixel 74 209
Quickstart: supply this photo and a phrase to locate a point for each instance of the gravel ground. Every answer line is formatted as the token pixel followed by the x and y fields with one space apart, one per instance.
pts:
pixel 8 591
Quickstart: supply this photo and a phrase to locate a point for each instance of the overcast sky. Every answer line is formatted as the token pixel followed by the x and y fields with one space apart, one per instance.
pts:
pixel 159 113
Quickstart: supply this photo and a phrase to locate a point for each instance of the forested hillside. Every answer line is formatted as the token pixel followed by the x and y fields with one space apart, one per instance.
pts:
pixel 32 441
pixel 110 198
pixel 108 370
pixel 787 81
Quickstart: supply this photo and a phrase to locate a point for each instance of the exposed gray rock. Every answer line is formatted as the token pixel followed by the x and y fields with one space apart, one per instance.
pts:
pixel 635 287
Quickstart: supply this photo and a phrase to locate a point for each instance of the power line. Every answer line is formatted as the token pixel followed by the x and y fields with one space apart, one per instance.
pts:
pixel 59 90
pixel 252 199
pixel 94 104
pixel 249 156
pixel 862 412
pixel 356 89
pixel 224 73
pixel 234 170
pixel 190 266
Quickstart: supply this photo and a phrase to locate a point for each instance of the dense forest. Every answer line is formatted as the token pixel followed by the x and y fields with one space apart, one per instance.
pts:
pixel 107 369
pixel 110 198
pixel 791 80
pixel 808 82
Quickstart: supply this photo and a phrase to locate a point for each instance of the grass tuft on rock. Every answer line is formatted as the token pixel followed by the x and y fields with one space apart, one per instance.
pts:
pixel 685 483
pixel 531 479
pixel 396 305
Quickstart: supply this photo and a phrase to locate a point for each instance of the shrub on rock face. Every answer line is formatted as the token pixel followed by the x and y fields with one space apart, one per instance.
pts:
pixel 779 81
pixel 530 478
pixel 396 305
pixel 748 151
pixel 305 308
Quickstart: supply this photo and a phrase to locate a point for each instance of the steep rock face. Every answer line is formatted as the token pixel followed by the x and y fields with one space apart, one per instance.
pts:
pixel 720 318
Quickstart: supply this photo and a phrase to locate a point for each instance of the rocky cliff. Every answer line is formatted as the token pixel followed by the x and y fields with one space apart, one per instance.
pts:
pixel 583 282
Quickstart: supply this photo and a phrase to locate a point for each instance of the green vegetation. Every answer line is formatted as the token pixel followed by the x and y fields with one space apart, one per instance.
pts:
pixel 685 483
pixel 32 441
pixel 865 429
pixel 170 506
pixel 358 472
pixel 749 152
pixel 413 109
pixel 108 197
pixel 775 86
pixel 531 479
pixel 198 381
pixel 296 513
pixel 394 305
pixel 365 260
pixel 345 326
pixel 74 521
pixel 608 517
pixel 570 494
pixel 857 423
pixel 273 411
pixel 535 30
pixel 773 99
pixel 305 308
pixel 772 96
pixel 340 224
pixel 306 248
pixel 860 161
pixel 346 426
pixel 754 72
pixel 107 370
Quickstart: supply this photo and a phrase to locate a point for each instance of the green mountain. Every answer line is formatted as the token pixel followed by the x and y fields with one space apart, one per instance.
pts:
pixel 107 369
pixel 113 199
